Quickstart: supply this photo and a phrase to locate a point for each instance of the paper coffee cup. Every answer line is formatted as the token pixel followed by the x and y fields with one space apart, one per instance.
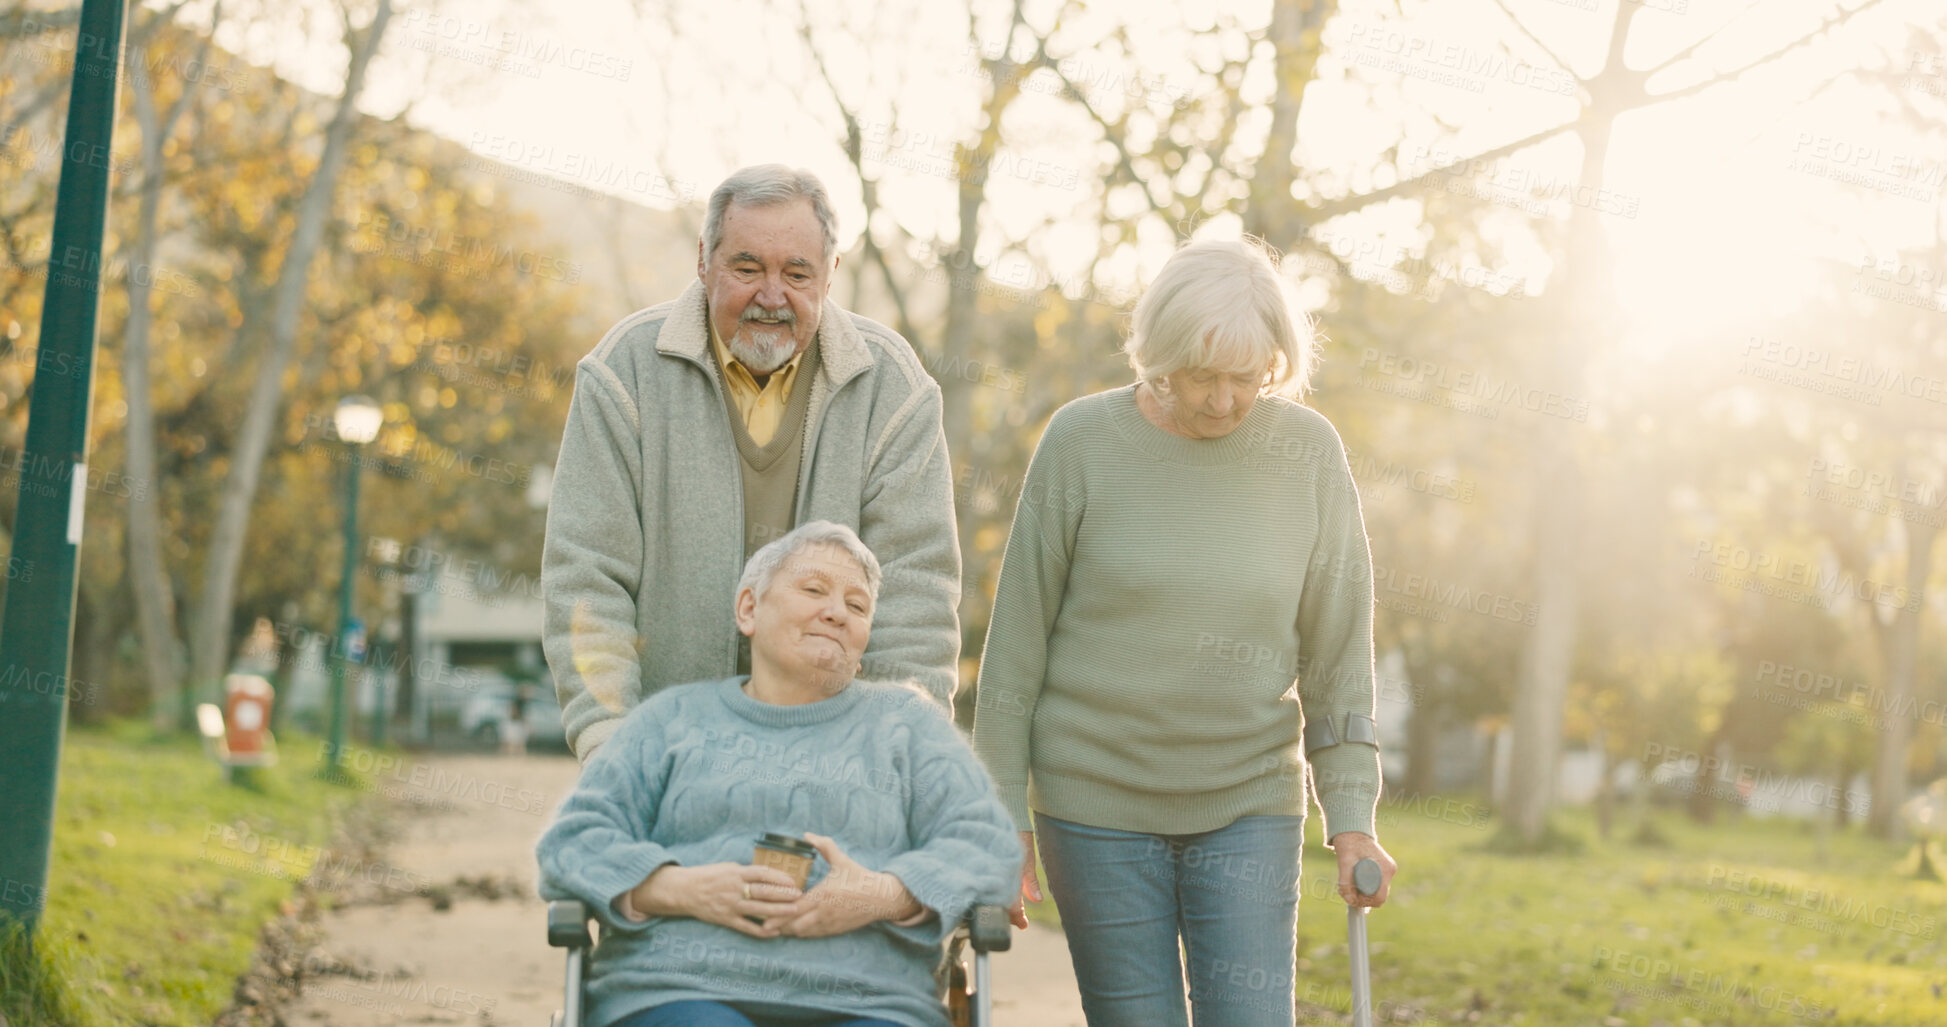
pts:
pixel 792 855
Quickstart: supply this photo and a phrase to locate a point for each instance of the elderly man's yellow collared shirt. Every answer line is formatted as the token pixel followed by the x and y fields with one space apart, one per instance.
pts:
pixel 762 406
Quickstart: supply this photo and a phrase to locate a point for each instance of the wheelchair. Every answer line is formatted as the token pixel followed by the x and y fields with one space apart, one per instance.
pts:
pixel 985 930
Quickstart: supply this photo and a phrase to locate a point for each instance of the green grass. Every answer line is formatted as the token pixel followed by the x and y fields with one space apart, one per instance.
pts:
pixel 161 876
pixel 1743 922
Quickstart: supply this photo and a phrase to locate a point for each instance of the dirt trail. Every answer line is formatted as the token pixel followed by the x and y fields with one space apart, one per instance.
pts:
pixel 442 926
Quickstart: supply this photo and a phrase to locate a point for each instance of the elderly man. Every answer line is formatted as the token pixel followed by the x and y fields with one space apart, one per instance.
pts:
pixel 705 427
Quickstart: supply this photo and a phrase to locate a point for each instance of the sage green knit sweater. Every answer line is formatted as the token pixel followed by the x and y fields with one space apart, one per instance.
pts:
pixel 1158 597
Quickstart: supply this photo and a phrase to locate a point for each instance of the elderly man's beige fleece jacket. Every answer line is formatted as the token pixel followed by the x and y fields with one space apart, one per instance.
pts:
pixel 645 524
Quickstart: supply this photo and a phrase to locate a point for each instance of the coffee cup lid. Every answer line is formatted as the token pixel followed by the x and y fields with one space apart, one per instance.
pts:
pixel 772 839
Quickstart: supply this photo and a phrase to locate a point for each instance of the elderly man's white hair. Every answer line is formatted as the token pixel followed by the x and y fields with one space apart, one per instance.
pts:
pixel 767 185
pixel 765 563
pixel 1220 305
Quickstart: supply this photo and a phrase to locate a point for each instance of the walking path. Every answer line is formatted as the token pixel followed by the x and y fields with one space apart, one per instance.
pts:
pixel 443 926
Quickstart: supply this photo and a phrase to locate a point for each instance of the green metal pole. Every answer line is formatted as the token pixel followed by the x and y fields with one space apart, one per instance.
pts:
pixel 379 712
pixel 37 624
pixel 336 746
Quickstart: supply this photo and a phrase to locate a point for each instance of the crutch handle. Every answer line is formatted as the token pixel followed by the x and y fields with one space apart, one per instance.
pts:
pixel 1366 876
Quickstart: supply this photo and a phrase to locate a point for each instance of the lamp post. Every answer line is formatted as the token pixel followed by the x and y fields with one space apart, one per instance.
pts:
pixel 357 421
pixel 37 625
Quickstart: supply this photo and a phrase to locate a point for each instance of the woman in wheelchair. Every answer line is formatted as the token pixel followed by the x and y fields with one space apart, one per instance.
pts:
pixel 658 836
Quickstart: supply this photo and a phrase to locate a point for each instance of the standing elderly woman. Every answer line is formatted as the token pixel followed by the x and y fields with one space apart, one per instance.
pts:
pixel 658 836
pixel 1184 548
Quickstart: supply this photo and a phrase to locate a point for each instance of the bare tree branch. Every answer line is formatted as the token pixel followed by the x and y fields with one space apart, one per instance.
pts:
pixel 1686 52
pixel 1532 38
pixel 1112 133
pixel 1726 76
pixel 868 189
pixel 1347 204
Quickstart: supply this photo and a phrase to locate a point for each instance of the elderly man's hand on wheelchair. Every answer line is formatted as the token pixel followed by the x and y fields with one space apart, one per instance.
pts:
pixel 725 894
pixel 849 897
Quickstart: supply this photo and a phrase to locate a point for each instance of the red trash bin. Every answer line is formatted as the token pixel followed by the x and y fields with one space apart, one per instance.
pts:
pixel 247 700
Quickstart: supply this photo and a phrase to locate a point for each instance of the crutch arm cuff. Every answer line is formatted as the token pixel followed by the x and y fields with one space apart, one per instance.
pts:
pixel 1328 730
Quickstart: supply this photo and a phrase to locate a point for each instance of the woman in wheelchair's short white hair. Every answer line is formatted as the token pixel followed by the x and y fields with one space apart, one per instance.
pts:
pixel 658 835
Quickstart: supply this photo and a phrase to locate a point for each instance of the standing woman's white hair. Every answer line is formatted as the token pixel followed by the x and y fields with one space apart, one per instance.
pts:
pixel 1221 305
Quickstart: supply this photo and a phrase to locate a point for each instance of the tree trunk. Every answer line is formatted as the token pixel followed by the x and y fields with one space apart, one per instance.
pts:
pixel 155 605
pixel 1543 684
pixel 1702 800
pixel 1605 789
pixel 1422 726
pixel 212 629
pixel 1548 654
pixel 98 622
pixel 1273 214
pixel 1889 767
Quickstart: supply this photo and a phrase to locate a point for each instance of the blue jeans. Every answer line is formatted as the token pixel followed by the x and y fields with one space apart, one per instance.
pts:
pixel 722 1014
pixel 1230 896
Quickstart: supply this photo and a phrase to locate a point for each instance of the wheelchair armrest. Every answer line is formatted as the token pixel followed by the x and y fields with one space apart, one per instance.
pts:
pixel 568 924
pixel 987 928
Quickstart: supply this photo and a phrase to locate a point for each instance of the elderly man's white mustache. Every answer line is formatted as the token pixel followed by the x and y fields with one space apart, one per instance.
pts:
pixel 756 312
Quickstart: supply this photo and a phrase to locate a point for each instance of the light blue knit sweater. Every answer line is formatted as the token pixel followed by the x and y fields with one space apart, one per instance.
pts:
pixel 699 771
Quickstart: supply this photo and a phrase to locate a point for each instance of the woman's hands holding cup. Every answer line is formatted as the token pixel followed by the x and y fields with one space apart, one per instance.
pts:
pixel 849 897
pixel 724 894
